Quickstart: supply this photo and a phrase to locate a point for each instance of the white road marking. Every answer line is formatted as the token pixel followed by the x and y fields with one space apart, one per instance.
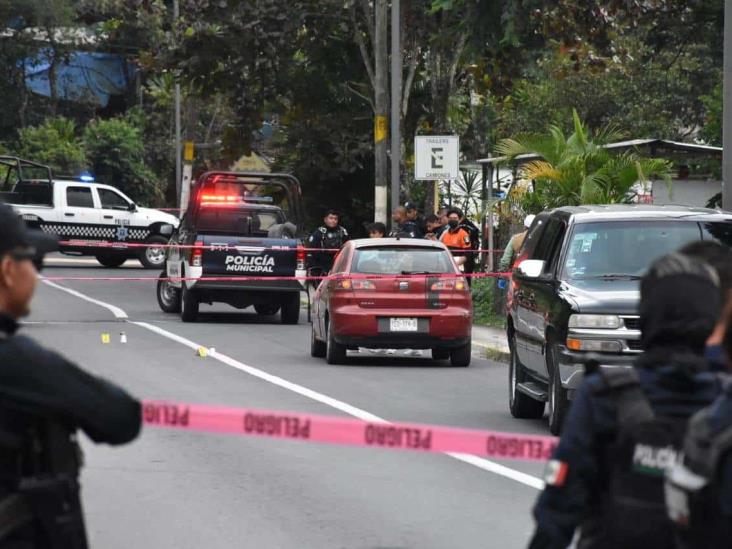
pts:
pixel 486 465
pixel 50 261
pixel 116 311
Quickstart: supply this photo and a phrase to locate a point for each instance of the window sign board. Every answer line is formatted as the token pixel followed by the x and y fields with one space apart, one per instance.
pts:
pixel 436 157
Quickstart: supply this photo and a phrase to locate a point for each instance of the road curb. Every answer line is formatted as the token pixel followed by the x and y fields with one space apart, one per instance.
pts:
pixel 492 352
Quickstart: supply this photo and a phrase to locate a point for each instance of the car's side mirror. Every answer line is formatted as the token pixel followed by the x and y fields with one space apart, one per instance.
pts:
pixel 132 207
pixel 531 268
pixel 166 229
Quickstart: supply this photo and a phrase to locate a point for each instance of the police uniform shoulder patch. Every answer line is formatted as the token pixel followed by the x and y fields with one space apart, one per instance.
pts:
pixel 555 473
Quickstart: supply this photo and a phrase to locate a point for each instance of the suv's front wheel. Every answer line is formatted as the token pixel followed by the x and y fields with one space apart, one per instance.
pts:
pixel 521 405
pixel 558 401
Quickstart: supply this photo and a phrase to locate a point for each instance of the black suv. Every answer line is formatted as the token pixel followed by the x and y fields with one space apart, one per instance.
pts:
pixel 575 292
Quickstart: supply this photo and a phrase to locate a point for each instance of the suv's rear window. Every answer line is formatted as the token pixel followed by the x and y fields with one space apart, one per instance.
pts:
pixel 237 221
pixel 398 260
pixel 624 248
pixel 263 193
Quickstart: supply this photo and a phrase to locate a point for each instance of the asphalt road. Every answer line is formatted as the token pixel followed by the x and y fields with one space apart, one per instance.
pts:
pixel 191 490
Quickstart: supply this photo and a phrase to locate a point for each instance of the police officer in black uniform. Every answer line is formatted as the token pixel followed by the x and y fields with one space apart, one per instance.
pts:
pixel 329 237
pixel 586 480
pixel 44 400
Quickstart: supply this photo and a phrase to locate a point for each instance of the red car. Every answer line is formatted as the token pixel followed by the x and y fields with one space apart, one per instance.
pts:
pixel 393 293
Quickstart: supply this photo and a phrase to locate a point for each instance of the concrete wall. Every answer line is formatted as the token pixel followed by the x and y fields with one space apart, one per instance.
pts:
pixel 685 192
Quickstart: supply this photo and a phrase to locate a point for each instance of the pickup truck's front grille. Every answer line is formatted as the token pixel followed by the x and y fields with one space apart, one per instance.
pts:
pixel 632 322
pixel 634 345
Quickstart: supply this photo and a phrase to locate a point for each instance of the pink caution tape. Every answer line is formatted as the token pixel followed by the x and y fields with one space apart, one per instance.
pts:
pixel 235 278
pixel 217 247
pixel 347 431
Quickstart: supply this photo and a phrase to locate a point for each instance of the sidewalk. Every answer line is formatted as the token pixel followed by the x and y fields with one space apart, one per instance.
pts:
pixel 492 341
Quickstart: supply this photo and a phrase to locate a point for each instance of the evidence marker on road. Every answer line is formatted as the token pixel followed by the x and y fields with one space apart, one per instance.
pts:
pixel 105 337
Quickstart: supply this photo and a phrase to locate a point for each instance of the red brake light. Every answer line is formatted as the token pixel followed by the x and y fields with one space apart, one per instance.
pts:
pixel 355 284
pixel 448 284
pixel 197 254
pixel 301 257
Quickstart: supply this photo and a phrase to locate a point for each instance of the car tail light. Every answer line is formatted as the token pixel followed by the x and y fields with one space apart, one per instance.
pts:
pixel 449 284
pixel 196 254
pixel 354 284
pixel 301 256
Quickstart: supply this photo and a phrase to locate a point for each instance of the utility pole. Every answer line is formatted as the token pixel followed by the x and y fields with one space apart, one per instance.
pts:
pixel 381 93
pixel 396 96
pixel 178 159
pixel 727 110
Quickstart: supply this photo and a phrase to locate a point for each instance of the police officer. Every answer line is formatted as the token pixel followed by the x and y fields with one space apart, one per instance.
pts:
pixel 413 215
pixel 330 237
pixel 402 226
pixel 597 480
pixel 44 400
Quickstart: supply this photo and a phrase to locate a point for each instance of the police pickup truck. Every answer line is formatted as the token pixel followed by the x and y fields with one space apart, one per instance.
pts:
pixel 239 243
pixel 83 213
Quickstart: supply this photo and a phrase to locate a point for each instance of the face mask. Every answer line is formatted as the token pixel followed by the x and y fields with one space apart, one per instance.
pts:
pixel 453 223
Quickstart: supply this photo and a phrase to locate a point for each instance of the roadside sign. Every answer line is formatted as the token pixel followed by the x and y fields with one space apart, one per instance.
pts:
pixel 436 157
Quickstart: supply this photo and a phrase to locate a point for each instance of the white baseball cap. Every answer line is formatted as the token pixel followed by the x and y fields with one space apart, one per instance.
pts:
pixel 528 220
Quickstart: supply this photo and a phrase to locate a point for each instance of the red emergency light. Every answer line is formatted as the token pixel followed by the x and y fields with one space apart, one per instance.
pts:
pixel 220 199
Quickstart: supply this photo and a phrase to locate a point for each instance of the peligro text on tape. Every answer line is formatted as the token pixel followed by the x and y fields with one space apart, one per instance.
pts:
pixel 347 431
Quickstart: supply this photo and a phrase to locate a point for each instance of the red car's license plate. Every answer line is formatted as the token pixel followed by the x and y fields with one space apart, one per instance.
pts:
pixel 403 325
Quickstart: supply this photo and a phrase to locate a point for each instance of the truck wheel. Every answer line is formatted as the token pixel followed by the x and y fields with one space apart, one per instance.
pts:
pixel 111 260
pixel 290 312
pixel 522 406
pixel 153 257
pixel 440 353
pixel 189 305
pixel 266 309
pixel 168 295
pixel 558 401
pixel 460 356
pixel 335 353
pixel 317 348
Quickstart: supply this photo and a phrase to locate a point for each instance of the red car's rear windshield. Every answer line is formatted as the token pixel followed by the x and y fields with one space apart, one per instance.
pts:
pixel 401 260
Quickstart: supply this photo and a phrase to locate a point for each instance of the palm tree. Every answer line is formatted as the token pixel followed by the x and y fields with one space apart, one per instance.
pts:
pixel 578 169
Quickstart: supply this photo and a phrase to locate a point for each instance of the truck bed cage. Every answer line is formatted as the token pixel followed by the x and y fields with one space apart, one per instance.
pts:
pixel 21 167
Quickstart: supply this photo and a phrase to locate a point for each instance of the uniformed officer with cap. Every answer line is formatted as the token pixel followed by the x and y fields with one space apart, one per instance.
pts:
pixel 329 237
pixel 44 400
pixel 413 216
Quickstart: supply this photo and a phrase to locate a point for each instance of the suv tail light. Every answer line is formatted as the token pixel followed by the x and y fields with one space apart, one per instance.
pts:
pixel 196 254
pixel 354 284
pixel 301 256
pixel 449 284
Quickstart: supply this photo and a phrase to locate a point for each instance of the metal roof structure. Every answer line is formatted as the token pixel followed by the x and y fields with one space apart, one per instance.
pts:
pixel 657 147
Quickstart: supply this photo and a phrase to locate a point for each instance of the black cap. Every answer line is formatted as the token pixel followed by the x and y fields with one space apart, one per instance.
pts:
pixel 409 205
pixel 16 238
pixel 680 303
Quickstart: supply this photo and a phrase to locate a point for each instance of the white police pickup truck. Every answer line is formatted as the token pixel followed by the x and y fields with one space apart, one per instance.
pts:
pixel 84 213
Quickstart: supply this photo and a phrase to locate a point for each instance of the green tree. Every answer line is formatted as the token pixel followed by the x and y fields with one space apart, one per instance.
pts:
pixel 115 149
pixel 578 169
pixel 54 143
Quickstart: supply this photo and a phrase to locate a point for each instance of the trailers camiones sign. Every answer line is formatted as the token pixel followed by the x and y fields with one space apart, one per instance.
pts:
pixel 436 157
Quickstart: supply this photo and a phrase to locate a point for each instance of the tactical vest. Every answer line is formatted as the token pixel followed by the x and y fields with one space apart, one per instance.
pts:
pixel 332 239
pixel 692 492
pixel 39 479
pixel 632 511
